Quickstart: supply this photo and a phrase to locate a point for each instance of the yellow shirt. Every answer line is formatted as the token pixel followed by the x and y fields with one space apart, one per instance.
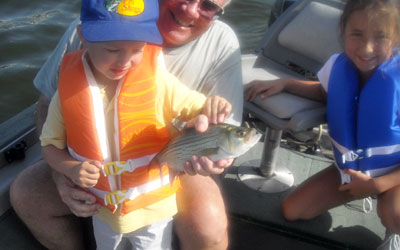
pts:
pixel 173 100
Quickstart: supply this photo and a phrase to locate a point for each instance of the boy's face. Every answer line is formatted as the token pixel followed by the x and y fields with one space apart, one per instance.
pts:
pixel 113 60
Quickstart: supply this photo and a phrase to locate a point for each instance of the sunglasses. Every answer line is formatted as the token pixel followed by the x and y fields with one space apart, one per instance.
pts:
pixel 207 8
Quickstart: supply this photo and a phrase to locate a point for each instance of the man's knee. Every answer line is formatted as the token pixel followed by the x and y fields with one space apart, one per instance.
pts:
pixel 21 188
pixel 207 230
pixel 210 223
pixel 201 221
pixel 33 191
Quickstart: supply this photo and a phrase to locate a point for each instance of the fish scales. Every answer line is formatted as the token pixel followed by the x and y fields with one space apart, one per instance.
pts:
pixel 218 138
pixel 191 143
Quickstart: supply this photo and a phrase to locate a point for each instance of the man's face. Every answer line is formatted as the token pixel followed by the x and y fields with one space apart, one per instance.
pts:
pixel 181 21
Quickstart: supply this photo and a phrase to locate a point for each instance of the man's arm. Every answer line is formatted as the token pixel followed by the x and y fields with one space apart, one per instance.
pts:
pixel 42 107
pixel 225 78
pixel 46 80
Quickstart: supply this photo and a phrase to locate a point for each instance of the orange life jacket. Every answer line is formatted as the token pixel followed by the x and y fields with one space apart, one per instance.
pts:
pixel 139 136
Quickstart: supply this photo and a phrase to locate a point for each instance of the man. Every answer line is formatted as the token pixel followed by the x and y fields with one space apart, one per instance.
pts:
pixel 203 54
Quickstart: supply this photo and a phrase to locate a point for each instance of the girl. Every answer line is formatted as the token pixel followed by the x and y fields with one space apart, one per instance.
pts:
pixel 362 89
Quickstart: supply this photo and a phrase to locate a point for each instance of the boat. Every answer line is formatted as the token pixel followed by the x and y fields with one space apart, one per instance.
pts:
pixel 294 147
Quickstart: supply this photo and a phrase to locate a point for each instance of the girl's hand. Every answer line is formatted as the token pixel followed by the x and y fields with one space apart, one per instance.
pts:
pixel 216 109
pixel 361 185
pixel 86 174
pixel 267 88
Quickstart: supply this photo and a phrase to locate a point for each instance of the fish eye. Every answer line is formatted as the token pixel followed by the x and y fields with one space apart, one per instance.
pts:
pixel 241 133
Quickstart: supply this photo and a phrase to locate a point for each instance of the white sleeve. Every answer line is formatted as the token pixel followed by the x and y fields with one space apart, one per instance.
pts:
pixel 325 72
pixel 225 78
pixel 211 65
pixel 46 80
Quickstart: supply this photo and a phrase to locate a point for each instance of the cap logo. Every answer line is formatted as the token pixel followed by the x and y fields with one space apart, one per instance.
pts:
pixel 125 7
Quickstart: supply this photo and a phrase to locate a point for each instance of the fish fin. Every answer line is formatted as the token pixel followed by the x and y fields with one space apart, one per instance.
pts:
pixel 172 176
pixel 156 162
pixel 161 175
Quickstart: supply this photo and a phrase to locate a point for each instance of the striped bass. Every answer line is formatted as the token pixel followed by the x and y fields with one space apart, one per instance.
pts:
pixel 221 141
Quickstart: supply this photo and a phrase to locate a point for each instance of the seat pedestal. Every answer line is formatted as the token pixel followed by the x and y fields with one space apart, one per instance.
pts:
pixel 268 177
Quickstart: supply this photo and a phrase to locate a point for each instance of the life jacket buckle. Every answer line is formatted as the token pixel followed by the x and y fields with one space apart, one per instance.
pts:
pixel 352 156
pixel 360 153
pixel 114 198
pixel 115 168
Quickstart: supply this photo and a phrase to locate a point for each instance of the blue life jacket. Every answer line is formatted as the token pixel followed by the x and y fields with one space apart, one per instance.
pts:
pixel 364 124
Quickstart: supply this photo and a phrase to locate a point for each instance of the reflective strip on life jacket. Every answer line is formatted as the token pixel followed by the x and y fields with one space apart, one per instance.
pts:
pixel 117 197
pixel 350 155
pixel 138 133
pixel 364 123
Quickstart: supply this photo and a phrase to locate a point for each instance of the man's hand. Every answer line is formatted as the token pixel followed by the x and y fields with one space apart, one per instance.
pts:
pixel 80 202
pixel 206 167
pixel 215 111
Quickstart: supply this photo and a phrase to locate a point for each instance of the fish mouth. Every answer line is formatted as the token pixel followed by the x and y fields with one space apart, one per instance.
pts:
pixel 253 137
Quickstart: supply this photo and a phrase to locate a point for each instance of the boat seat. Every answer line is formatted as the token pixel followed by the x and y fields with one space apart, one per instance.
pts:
pixel 296 46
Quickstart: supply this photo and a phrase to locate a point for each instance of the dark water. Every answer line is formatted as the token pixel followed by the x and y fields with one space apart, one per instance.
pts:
pixel 29 30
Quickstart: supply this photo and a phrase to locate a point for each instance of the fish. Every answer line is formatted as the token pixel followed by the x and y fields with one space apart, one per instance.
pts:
pixel 222 141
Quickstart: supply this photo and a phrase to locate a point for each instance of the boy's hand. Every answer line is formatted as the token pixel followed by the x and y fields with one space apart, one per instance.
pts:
pixel 86 174
pixel 216 109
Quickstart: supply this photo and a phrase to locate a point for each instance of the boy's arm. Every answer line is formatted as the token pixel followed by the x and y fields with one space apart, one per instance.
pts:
pixel 85 174
pixel 53 142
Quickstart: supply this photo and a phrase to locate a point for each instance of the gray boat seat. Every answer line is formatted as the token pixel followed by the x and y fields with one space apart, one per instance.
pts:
pixel 296 46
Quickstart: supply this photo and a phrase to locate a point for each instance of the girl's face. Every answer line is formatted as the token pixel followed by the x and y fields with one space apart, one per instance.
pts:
pixel 368 43
pixel 111 61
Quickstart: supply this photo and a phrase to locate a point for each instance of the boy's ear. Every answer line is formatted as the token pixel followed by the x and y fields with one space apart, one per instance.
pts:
pixel 79 31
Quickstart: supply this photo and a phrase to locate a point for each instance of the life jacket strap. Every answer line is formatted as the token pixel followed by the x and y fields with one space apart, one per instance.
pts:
pixel 353 155
pixel 117 197
pixel 118 167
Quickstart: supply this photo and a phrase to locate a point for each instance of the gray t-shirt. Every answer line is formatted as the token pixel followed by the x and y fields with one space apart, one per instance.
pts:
pixel 211 64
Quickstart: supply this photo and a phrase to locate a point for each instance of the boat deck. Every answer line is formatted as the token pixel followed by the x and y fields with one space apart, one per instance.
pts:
pixel 344 227
pixel 256 221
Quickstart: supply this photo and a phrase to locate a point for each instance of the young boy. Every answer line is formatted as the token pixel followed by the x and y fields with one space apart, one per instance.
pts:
pixel 112 114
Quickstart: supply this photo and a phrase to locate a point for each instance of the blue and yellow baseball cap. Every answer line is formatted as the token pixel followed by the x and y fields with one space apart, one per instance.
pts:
pixel 120 20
